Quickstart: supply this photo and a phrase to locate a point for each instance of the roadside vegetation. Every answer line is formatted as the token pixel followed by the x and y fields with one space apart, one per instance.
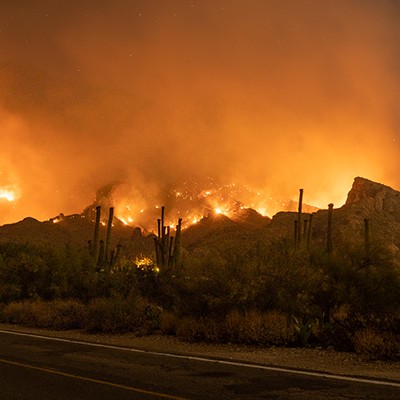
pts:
pixel 262 294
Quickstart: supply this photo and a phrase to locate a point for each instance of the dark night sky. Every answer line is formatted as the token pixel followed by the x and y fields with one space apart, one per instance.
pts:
pixel 274 94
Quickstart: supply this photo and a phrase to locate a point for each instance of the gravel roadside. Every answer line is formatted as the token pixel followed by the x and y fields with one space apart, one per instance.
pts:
pixel 320 360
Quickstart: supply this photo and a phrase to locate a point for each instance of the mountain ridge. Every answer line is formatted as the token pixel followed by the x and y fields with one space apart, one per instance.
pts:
pixel 366 200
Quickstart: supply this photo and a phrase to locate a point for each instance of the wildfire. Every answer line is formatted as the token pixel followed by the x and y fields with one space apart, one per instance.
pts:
pixel 143 262
pixel 192 201
pixel 7 195
pixel 126 221
pixel 146 264
pixel 221 210
pixel 262 211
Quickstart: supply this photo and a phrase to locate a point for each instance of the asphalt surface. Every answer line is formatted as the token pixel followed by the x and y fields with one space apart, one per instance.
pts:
pixel 34 367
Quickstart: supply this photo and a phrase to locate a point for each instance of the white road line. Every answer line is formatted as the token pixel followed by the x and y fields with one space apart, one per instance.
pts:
pixel 215 361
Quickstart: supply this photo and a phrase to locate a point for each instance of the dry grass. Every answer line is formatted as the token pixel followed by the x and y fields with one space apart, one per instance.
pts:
pixel 101 315
pixel 377 345
pixel 115 315
pixel 252 327
pixel 68 314
pixel 200 329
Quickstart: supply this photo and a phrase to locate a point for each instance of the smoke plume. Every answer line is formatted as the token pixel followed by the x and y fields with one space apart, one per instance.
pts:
pixel 274 95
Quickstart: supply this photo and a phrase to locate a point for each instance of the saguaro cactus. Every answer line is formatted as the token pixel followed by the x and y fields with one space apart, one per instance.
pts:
pixel 305 227
pixel 300 217
pixel 95 244
pixel 177 247
pixel 166 246
pixel 108 238
pixel 309 230
pixel 90 246
pixel 100 258
pixel 329 241
pixel 159 241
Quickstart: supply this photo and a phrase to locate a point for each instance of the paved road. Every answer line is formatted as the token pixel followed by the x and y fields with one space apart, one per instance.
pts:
pixel 36 368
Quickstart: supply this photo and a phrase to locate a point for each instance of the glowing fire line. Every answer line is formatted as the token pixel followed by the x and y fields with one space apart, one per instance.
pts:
pixel 192 202
pixel 196 204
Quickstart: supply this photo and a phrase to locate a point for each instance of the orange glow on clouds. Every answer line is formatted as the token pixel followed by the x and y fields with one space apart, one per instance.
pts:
pixel 273 96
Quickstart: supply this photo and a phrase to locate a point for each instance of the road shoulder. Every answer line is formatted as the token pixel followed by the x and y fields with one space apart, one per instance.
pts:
pixel 318 360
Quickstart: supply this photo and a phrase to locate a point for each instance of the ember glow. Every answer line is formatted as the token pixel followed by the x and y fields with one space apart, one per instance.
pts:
pixel 7 195
pixel 271 96
pixel 191 201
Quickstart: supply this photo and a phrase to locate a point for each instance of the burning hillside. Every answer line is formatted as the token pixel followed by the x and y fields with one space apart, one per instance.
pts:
pixel 190 200
pixel 235 228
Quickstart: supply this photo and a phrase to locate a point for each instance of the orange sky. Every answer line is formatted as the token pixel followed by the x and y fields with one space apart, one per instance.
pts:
pixel 273 94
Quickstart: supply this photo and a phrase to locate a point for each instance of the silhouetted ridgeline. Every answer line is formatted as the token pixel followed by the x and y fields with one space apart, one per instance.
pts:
pixel 378 203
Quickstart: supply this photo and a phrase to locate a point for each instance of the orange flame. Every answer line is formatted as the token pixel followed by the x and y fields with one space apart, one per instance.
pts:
pixel 7 194
pixel 191 202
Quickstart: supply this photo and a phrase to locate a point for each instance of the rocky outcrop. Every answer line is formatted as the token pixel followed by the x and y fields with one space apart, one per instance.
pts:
pixel 374 197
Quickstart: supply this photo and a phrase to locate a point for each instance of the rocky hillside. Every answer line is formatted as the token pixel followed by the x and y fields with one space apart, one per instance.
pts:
pixel 376 202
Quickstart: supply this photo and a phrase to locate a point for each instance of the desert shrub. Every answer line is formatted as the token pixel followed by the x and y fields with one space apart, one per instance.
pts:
pixel 109 315
pixel 255 327
pixel 206 289
pixel 370 286
pixel 73 275
pixel 212 288
pixel 26 271
pixel 61 315
pixel 67 314
pixel 119 315
pixel 377 345
pixel 378 289
pixel 168 323
pixel 9 292
pixel 338 329
pixel 204 329
pixel 292 281
pixel 33 314
pixel 252 327
pixel 29 272
pixel 223 292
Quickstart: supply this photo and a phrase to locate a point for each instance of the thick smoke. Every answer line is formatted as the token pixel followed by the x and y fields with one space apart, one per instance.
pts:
pixel 276 95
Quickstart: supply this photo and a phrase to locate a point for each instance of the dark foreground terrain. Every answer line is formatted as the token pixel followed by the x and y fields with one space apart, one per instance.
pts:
pixel 33 367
